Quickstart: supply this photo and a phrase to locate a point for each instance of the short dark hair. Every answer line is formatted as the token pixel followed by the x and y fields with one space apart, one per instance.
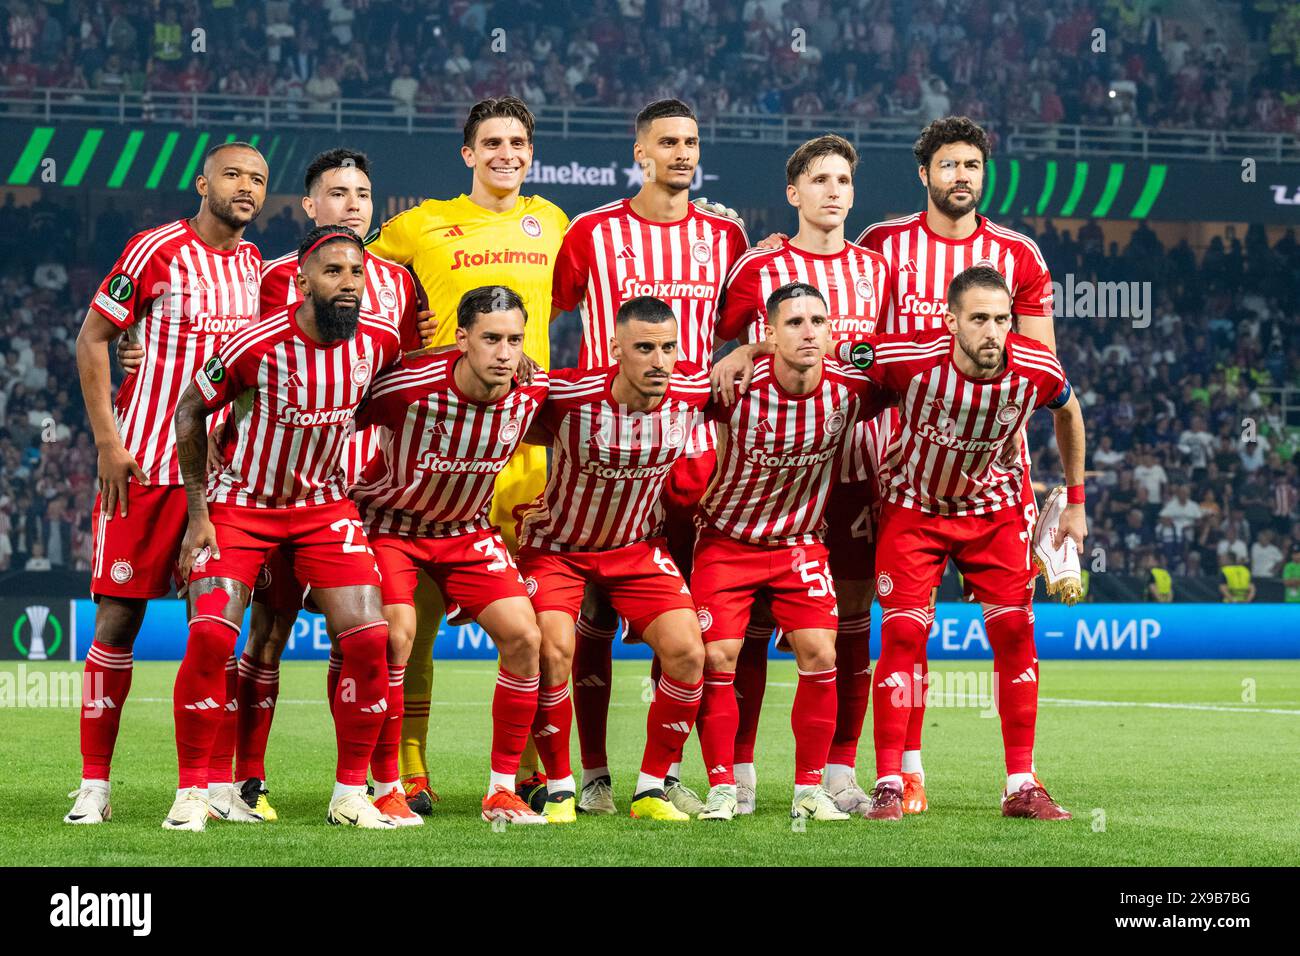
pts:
pixel 333 159
pixel 494 107
pixel 662 109
pixel 791 290
pixel 234 144
pixel 328 234
pixel 827 145
pixel 948 130
pixel 486 299
pixel 976 277
pixel 645 308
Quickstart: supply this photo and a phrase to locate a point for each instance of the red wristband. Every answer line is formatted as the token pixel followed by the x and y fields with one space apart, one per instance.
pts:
pixel 1074 494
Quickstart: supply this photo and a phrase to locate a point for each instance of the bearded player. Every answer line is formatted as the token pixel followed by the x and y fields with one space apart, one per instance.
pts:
pixel 764 532
pixel 492 236
pixel 855 283
pixel 659 244
pixel 297 378
pixel 964 396
pixel 449 423
pixel 180 290
pixel 617 432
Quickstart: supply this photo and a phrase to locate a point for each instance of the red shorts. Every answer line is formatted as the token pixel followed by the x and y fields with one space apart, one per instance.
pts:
pixel 729 573
pixel 851 530
pixel 990 550
pixel 328 543
pixel 135 556
pixel 641 580
pixel 471 570
pixel 278 587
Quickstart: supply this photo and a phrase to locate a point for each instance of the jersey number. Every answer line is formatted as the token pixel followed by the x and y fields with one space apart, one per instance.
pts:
pixel 666 564
pixel 499 557
pixel 820 584
pixel 350 527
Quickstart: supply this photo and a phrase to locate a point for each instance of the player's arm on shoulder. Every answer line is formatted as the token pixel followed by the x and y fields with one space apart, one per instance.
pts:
pixel 1034 302
pixel 1067 417
pixel 572 269
pixel 1040 328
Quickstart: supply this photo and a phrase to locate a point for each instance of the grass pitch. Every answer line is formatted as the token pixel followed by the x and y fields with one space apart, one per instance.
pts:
pixel 1161 762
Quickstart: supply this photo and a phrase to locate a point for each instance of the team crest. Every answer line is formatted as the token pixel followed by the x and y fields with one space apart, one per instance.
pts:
pixel 884 584
pixel 387 298
pixel 674 435
pixel 531 226
pixel 121 572
pixel 250 284
pixel 530 586
pixel 701 251
pixel 863 288
pixel 201 561
pixel 263 578
pixel 1008 413
pixel 835 423
pixel 510 431
pixel 361 373
pixel 706 619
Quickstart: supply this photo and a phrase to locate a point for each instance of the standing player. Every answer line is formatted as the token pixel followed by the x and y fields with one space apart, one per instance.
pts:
pixel 965 395
pixel 298 377
pixel 925 251
pixel 492 236
pixel 618 431
pixel 450 422
pixel 855 282
pixel 764 531
pixel 180 289
pixel 655 244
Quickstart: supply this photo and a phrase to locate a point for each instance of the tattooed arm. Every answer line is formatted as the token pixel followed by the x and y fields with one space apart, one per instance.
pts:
pixel 192 455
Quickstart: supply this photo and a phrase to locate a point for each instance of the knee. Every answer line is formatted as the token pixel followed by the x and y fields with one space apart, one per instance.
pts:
pixel 365 648
pixel 819 659
pixel 684 657
pixel 555 656
pixel 718 657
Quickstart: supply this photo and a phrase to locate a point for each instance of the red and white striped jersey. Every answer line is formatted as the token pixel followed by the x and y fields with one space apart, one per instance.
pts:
pixel 440 451
pixel 857 285
pixel 775 472
pixel 609 463
pixel 855 282
pixel 951 427
pixel 923 263
pixel 389 293
pixel 180 299
pixel 611 254
pixel 295 404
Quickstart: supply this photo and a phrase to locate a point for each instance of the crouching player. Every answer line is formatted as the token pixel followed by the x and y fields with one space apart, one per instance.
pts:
pixel 763 532
pixel 296 379
pixel 450 422
pixel 617 430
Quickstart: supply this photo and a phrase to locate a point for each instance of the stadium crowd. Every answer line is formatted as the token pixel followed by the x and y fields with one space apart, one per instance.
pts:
pixel 1191 460
pixel 998 61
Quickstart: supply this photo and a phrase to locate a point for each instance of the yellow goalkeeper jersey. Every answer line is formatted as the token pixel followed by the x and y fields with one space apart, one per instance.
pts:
pixel 455 245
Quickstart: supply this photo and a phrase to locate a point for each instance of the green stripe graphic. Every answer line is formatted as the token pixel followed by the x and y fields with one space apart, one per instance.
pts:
pixel 1012 186
pixel 160 164
pixel 1114 177
pixel 125 160
pixel 85 153
pixel 1076 188
pixel 187 177
pixel 1049 187
pixel 1155 182
pixel 31 156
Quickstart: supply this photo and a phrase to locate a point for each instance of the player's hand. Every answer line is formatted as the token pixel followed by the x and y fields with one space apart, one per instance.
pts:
pixel 116 469
pixel 215 464
pixel 527 369
pixel 129 355
pixel 200 542
pixel 731 376
pixel 718 209
pixel 1009 457
pixel 773 241
pixel 426 325
pixel 1073 525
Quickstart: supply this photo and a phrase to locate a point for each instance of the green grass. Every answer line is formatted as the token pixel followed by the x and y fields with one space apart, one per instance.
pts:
pixel 1177 786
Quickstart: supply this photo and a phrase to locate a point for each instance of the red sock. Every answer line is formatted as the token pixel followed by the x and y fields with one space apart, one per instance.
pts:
pixel 751 682
pixel 259 686
pixel 514 705
pixel 360 699
pixel 852 686
pixel 332 677
pixel 199 697
pixel 672 715
pixel 813 720
pixel 897 684
pixel 592 676
pixel 383 762
pixel 221 761
pixel 551 728
pixel 106 682
pixel 718 718
pixel 916 722
pixel 1011 636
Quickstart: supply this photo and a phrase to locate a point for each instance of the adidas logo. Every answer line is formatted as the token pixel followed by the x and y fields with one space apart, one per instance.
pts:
pixel 101 704
pixel 232 706
pixel 1028 677
pixel 718 769
pixel 627 253
pixel 910 267
pixel 591 681
pixel 546 731
pixel 896 679
pixel 678 725
pixel 376 708
pixel 206 704
pixel 764 427
pixel 453 232
pixel 293 381
pixel 267 703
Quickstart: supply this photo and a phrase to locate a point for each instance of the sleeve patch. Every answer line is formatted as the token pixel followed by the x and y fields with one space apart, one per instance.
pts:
pixel 109 307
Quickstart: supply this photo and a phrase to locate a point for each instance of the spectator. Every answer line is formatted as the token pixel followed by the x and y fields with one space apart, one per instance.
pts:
pixel 1291 576
pixel 1182 512
pixel 1265 556
pixel 38 561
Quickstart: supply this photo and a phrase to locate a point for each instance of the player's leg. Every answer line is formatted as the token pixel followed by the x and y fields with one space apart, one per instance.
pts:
pixel 751 684
pixel 593 679
pixel 914 798
pixel 418 688
pixel 124 576
pixel 912 548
